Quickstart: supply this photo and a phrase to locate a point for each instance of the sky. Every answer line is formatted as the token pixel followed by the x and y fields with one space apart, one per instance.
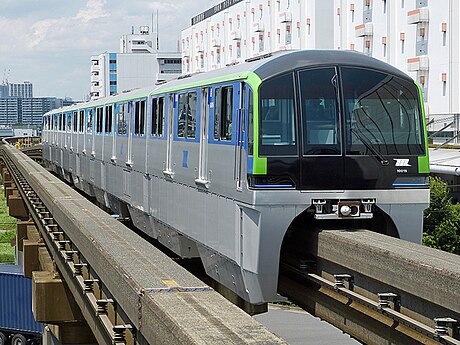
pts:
pixel 50 42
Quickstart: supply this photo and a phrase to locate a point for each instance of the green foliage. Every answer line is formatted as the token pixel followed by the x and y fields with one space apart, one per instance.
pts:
pixel 7 232
pixel 442 219
pixel 6 253
pixel 7 236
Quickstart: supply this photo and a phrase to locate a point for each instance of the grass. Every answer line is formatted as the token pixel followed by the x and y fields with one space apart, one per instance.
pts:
pixel 7 232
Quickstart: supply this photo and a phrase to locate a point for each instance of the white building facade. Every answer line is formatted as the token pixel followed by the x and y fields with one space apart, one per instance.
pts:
pixel 139 64
pixel 420 37
pixel 236 30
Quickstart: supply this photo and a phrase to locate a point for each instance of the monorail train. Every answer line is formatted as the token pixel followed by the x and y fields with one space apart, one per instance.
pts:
pixel 228 164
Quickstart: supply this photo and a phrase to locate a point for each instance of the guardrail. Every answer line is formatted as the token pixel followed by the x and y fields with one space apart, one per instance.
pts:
pixel 107 267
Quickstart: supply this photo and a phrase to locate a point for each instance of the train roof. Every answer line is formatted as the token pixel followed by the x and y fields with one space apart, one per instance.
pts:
pixel 264 68
pixel 283 62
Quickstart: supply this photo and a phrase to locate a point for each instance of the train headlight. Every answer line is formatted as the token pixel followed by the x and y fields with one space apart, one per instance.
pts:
pixel 345 210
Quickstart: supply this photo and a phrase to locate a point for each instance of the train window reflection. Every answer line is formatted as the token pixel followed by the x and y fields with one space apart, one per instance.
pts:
pixel 223 113
pixel 320 118
pixel 89 122
pixel 186 126
pixel 277 117
pixel 383 111
pixel 158 116
pixel 122 114
pixel 99 120
pixel 108 119
pixel 139 118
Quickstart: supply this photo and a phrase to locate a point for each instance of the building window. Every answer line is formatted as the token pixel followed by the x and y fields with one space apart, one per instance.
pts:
pixel 223 113
pixel 158 116
pixel 288 34
pixel 186 121
pixel 139 118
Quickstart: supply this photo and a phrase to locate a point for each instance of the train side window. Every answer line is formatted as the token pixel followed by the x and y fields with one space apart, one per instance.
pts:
pixel 108 119
pixel 89 121
pixel 186 121
pixel 223 113
pixel 74 122
pixel 81 121
pixel 277 117
pixel 69 122
pixel 122 113
pixel 139 118
pixel 157 116
pixel 99 119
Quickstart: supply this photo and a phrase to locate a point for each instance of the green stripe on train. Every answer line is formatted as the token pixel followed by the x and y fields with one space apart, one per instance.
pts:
pixel 423 161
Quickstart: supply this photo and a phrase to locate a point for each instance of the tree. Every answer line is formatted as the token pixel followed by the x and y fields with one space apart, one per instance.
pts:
pixel 441 227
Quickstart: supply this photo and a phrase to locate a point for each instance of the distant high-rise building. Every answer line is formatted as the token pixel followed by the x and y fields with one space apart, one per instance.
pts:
pixel 17 110
pixel 23 90
pixel 3 91
pixel 139 64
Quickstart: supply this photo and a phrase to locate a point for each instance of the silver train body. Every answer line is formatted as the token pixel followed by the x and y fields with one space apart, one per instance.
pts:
pixel 216 192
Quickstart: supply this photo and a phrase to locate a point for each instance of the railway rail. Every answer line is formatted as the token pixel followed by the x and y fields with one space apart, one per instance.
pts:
pixel 104 265
pixel 378 289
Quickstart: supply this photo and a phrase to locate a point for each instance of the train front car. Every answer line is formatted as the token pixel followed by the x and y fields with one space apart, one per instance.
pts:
pixel 340 144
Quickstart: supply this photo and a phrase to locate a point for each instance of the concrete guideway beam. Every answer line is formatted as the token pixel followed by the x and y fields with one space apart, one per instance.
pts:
pixel 415 287
pixel 429 274
pixel 164 303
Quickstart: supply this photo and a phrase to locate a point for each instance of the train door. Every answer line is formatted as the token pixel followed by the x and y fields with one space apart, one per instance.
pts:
pixel 207 96
pixel 240 139
pixel 113 157
pixel 322 163
pixel 130 133
pixel 168 169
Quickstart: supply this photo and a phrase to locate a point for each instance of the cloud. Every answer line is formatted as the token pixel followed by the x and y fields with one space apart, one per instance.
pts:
pixel 53 48
pixel 94 9
pixel 40 31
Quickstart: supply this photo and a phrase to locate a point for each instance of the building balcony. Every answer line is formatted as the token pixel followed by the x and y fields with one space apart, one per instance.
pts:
pixel 362 30
pixel 420 15
pixel 186 53
pixel 420 63
pixel 94 78
pixel 95 68
pixel 200 48
pixel 216 42
pixel 141 48
pixel 258 27
pixel 235 35
pixel 285 17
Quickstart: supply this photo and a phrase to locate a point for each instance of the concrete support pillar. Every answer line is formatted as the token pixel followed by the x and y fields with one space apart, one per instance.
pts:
pixel 17 207
pixel 52 301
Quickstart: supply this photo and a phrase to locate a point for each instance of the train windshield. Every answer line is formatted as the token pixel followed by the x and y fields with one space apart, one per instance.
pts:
pixel 382 114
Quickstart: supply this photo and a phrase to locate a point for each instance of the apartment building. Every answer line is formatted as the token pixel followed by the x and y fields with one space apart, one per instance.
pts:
pixel 420 37
pixel 138 64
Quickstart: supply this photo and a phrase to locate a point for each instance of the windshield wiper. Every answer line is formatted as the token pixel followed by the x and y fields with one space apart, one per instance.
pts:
pixel 369 146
